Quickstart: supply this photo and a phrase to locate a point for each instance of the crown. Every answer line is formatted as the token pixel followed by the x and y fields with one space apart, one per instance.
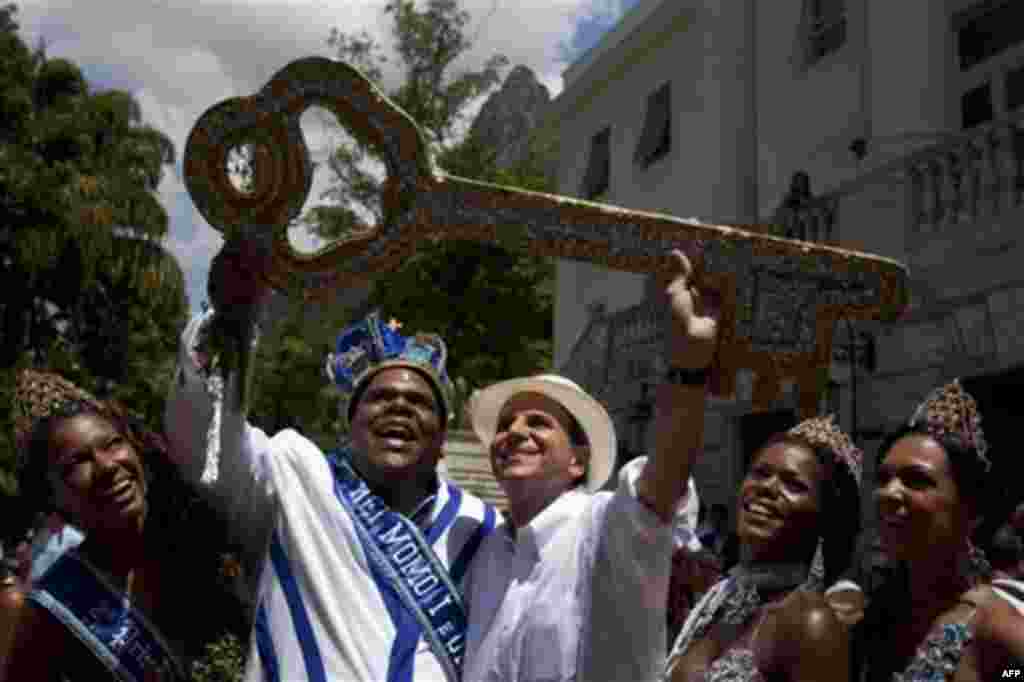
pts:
pixel 951 412
pixel 370 345
pixel 822 432
pixel 38 395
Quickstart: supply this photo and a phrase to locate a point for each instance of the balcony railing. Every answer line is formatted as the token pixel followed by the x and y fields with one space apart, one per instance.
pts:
pixel 972 177
pixel 616 352
pixel 964 181
pixel 814 221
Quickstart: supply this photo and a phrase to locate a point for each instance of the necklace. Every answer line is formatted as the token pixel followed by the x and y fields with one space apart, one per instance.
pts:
pixel 773 577
pixel 731 605
pixel 750 582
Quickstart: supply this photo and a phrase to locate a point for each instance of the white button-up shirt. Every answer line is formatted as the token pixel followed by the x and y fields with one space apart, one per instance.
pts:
pixel 579 593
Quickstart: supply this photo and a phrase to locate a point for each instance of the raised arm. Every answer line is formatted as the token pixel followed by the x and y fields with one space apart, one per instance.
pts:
pixel 632 531
pixel 691 334
pixel 210 440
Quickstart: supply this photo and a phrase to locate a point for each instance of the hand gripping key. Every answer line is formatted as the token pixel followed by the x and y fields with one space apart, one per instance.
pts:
pixel 780 298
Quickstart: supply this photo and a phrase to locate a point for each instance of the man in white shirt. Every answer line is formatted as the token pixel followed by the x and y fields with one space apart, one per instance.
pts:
pixel 575 585
pixel 363 548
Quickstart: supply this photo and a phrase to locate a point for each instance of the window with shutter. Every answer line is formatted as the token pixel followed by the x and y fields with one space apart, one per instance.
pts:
pixel 595 181
pixel 656 138
pixel 987 30
pixel 826 24
pixel 990 53
pixel 976 106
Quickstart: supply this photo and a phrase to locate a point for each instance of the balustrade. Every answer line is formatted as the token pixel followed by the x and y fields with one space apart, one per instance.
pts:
pixel 813 221
pixel 975 176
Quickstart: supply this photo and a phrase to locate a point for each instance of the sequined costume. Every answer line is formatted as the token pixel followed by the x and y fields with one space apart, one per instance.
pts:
pixel 937 657
pixel 735 665
pixel 734 602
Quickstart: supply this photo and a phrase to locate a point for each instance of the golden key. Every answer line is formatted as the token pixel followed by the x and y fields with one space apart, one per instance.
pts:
pixel 780 298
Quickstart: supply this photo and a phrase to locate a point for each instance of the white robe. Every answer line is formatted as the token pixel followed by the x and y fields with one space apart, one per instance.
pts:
pixel 322 614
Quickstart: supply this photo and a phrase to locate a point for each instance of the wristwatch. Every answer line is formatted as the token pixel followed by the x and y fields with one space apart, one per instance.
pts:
pixel 685 376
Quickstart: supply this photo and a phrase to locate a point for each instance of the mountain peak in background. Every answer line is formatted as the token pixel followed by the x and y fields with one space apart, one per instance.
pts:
pixel 510 115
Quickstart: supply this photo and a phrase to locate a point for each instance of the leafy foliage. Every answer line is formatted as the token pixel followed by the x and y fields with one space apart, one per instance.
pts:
pixel 89 291
pixel 224 661
pixel 493 307
pixel 292 389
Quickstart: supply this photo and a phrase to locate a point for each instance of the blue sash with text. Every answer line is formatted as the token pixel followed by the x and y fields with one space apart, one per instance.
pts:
pixel 398 550
pixel 103 619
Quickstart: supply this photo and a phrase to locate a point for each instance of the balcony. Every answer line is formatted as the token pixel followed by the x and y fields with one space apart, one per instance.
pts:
pixel 975 176
pixel 618 350
pixel 950 210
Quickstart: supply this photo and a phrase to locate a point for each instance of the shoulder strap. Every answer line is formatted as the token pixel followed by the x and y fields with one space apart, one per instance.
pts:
pixel 697 621
pixel 461 563
pixel 397 550
pixel 104 621
pixel 1010 591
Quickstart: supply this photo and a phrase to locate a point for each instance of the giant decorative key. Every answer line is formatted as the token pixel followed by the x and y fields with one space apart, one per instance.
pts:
pixel 780 298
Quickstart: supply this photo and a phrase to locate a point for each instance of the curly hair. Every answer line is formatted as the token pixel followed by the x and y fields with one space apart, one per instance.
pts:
pixel 33 480
pixel 168 498
pixel 182 529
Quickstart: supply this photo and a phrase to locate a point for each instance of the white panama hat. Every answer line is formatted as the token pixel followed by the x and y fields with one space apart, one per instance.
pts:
pixel 485 406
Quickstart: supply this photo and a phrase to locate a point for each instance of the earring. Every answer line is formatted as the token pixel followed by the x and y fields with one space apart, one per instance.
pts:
pixel 816 576
pixel 974 566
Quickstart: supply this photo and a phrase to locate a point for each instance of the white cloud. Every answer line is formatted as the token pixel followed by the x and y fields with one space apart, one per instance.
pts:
pixel 179 58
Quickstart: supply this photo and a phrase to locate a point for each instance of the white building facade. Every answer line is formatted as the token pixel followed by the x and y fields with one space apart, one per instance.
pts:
pixel 906 117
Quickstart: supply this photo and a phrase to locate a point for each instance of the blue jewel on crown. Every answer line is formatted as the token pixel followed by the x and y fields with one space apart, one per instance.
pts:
pixel 418 353
pixel 370 343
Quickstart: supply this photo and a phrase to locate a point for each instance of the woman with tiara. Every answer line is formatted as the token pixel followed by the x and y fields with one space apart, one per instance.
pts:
pixel 938 619
pixel 122 605
pixel 797 521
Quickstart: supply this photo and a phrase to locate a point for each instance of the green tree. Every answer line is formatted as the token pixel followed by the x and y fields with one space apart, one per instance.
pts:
pixel 292 389
pixel 125 327
pixel 493 307
pixel 224 661
pixel 78 169
pixel 89 291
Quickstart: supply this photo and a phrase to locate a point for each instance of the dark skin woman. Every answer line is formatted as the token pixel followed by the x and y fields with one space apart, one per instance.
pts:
pixel 108 475
pixel 787 631
pixel 939 619
pixel 91 471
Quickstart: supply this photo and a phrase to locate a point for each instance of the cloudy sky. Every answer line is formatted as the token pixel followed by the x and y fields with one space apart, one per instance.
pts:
pixel 179 57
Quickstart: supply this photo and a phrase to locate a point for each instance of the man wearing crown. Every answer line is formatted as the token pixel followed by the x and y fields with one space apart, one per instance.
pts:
pixel 362 548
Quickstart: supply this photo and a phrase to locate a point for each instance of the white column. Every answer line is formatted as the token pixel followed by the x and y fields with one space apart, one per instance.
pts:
pixel 913 68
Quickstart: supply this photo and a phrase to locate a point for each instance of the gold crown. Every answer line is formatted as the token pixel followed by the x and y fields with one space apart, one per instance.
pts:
pixel 38 395
pixel 951 412
pixel 822 432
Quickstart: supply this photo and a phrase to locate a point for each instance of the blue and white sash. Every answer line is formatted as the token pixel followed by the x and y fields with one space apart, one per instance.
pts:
pixel 398 552
pixel 103 619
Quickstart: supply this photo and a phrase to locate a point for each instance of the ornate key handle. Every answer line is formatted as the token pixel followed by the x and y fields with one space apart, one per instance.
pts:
pixel 781 298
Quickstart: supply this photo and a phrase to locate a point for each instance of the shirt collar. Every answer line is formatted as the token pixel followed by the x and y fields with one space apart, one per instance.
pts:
pixel 541 530
pixel 431 505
